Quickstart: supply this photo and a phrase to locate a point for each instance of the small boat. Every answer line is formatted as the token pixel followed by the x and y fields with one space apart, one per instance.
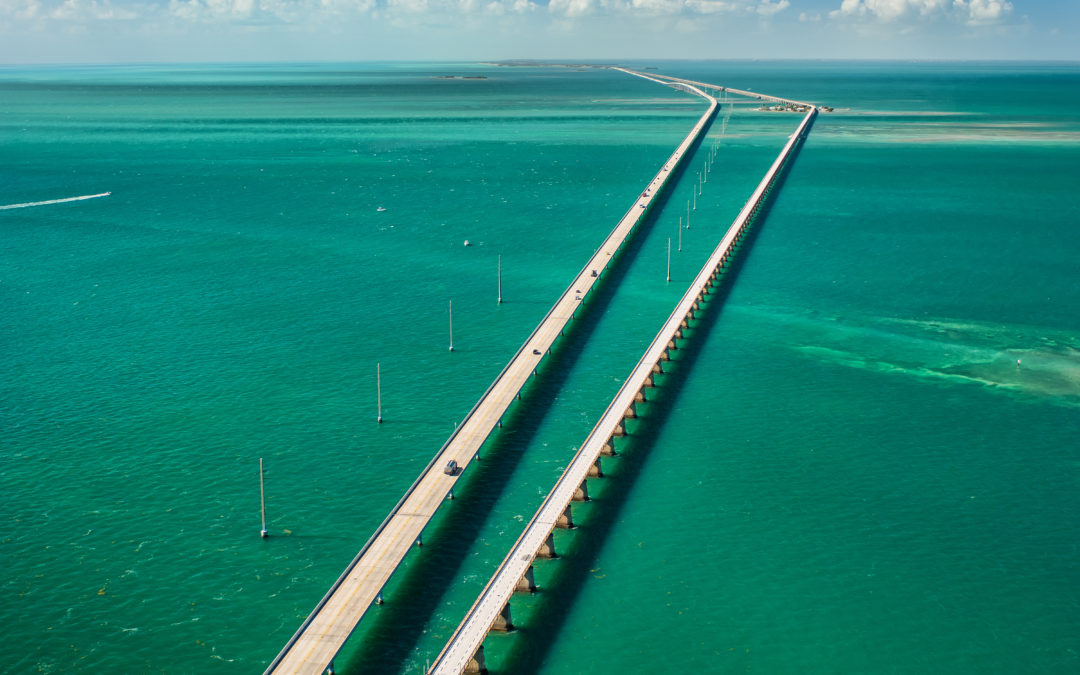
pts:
pixel 467 243
pixel 381 209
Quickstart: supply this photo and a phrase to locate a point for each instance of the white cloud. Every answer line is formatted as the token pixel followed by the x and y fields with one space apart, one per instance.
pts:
pixel 652 8
pixel 66 11
pixel 711 6
pixel 19 9
pixel 655 7
pixel 890 11
pixel 407 6
pixel 315 13
pixel 984 11
pixel 265 11
pixel 440 9
pixel 571 8
pixel 213 10
pixel 768 8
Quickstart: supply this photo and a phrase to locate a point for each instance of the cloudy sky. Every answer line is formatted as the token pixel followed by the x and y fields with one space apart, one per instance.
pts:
pixel 109 31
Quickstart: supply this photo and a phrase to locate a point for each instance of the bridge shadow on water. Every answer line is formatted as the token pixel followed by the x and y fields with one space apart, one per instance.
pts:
pixel 391 632
pixel 537 632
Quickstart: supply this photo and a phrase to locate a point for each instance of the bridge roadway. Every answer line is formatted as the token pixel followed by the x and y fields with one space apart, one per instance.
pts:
pixel 466 644
pixel 315 644
pixel 740 92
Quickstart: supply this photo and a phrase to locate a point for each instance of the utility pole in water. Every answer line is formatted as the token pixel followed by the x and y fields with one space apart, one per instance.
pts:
pixel 262 501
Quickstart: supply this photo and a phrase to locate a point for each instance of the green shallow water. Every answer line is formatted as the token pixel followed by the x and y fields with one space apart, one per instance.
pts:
pixel 845 472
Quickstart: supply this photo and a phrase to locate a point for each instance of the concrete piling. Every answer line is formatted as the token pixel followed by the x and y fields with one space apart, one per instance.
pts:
pixel 503 622
pixel 565 521
pixel 527 582
pixel 476 663
pixel 547 549
pixel 581 494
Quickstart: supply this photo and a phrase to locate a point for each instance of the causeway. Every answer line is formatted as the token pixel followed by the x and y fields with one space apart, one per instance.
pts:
pixel 320 637
pixel 491 611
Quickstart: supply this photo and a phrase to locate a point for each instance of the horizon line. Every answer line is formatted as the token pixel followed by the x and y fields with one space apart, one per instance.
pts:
pixel 536 61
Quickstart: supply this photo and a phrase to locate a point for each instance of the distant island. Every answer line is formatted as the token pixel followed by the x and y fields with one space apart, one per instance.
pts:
pixel 524 63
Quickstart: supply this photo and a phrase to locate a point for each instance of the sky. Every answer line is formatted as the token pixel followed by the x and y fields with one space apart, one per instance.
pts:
pixel 130 31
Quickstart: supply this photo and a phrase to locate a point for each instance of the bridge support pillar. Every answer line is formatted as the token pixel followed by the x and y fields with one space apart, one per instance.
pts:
pixel 527 582
pixel 476 663
pixel 649 380
pixel 581 494
pixel 503 622
pixel 620 430
pixel 640 396
pixel 657 367
pixel 595 471
pixel 547 549
pixel 630 412
pixel 609 448
pixel 565 521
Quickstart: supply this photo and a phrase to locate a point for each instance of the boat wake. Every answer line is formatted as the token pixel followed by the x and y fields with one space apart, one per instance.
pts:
pixel 54 201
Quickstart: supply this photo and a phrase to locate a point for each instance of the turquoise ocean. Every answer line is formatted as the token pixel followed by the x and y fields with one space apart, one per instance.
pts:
pixel 866 460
